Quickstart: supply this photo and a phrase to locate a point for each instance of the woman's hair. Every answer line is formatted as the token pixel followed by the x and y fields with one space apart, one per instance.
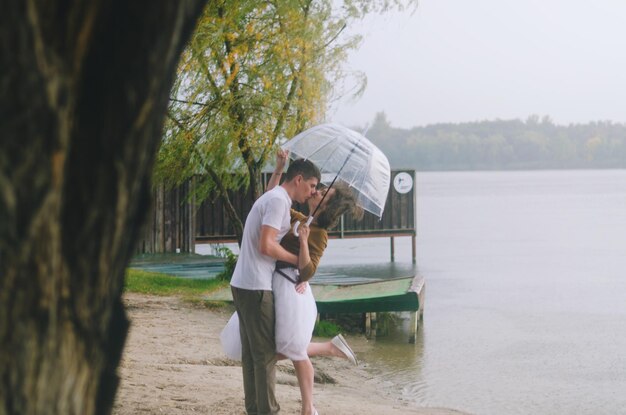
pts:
pixel 342 201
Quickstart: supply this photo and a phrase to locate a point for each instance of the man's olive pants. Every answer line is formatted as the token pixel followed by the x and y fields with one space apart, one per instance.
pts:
pixel 258 349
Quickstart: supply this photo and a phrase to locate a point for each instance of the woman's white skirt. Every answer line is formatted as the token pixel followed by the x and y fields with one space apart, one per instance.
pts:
pixel 295 316
pixel 231 339
pixel 295 319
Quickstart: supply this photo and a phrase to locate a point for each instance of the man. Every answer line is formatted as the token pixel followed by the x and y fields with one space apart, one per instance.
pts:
pixel 251 284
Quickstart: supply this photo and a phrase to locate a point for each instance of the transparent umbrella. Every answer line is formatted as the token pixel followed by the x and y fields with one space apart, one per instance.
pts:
pixel 343 154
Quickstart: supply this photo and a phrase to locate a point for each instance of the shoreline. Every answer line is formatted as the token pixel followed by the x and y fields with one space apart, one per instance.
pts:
pixel 173 364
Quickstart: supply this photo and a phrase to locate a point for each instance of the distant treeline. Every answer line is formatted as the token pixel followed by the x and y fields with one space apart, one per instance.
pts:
pixel 536 143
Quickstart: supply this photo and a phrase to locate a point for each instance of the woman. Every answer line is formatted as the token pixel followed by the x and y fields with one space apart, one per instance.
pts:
pixel 293 300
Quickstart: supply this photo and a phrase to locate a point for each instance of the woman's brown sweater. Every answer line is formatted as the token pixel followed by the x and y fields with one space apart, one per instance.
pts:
pixel 318 240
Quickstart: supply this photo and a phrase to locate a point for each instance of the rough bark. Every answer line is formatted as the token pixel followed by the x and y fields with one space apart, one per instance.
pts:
pixel 83 91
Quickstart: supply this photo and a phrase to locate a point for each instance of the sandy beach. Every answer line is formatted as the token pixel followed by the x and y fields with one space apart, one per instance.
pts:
pixel 173 364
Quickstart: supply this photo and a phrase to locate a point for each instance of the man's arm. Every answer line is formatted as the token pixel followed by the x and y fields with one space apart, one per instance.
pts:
pixel 281 161
pixel 270 247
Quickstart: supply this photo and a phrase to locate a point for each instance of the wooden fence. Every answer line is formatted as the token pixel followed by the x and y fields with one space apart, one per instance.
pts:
pixel 173 219
pixel 171 223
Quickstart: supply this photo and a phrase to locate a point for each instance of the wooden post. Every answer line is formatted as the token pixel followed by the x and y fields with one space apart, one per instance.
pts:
pixel 158 234
pixel 418 287
pixel 374 325
pixel 370 325
pixel 413 327
pixel 190 204
pixel 422 297
pixel 393 254
pixel 341 226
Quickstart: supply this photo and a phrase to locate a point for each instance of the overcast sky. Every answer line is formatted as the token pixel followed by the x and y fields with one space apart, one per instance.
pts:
pixel 463 60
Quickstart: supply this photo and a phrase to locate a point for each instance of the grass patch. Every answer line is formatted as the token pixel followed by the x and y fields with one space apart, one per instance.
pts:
pixel 325 328
pixel 191 290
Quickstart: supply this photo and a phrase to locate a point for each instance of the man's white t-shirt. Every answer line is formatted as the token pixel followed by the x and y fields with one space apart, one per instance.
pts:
pixel 254 270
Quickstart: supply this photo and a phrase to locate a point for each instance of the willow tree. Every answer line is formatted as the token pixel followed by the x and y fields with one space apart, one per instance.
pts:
pixel 84 87
pixel 254 72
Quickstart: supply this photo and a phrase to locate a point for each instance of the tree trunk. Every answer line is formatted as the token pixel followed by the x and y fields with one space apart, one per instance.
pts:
pixel 83 91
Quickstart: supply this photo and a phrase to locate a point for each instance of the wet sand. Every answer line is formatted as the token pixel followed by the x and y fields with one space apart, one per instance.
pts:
pixel 173 364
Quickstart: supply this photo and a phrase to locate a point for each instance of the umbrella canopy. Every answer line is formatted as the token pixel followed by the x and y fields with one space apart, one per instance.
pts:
pixel 343 153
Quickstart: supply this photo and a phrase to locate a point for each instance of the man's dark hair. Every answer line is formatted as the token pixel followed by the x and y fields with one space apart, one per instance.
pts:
pixel 302 167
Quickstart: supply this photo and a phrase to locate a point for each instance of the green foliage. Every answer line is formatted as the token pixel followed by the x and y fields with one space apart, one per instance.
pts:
pixel 253 73
pixel 229 264
pixel 536 143
pixel 326 329
pixel 143 282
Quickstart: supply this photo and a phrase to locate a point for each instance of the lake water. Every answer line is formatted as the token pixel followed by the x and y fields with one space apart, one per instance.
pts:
pixel 525 309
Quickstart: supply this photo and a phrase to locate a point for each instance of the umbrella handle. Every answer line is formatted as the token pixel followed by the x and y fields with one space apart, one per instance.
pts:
pixel 296 225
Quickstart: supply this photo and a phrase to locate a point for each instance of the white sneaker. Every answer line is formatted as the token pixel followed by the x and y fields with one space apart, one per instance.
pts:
pixel 342 345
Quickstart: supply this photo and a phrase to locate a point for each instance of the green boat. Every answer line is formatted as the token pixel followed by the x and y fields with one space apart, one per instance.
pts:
pixel 398 294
